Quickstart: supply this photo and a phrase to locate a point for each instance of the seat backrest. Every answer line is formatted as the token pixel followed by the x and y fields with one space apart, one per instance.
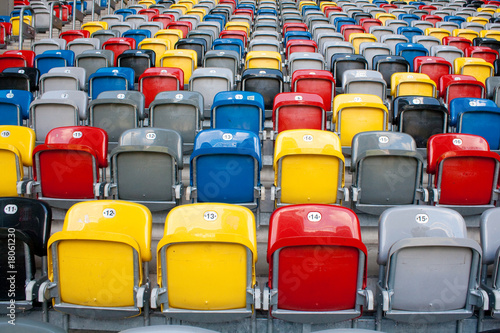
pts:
pixel 296 110
pixel 320 82
pixel 93 137
pixel 79 72
pixel 239 110
pixel 21 98
pixel 183 59
pixel 231 238
pixel 304 150
pixel 79 98
pixel 215 150
pixel 111 78
pixel 209 81
pixel 300 233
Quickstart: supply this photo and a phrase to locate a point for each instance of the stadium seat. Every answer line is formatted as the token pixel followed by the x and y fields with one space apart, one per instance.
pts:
pixel 263 59
pixel 197 44
pixel 267 82
pixel 93 26
pixel 225 167
pixel 476 67
pixel 297 110
pixel 421 117
pixel 57 108
pixel 343 62
pixel 54 58
pixel 82 44
pixel 320 82
pixel 224 59
pixel 388 65
pixel 463 172
pixel 156 80
pixel 15 106
pixel 146 168
pixel 482 52
pixel 92 60
pixel 308 168
pixel 476 116
pixel 45 44
pixel 206 272
pixel 63 78
pixel 405 84
pixel 181 111
pixel 238 110
pixel 293 246
pixel 100 241
pixel 183 59
pixel 387 171
pixel 434 67
pixel 409 51
pixel 355 113
pixel 116 111
pixel 16 149
pixel 67 166
pixel 427 247
pixel 359 81
pixel 370 50
pixel 110 78
pixel 490 245
pixel 138 60
pixel 456 85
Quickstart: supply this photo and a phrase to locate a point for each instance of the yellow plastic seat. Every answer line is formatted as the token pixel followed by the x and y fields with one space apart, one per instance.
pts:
pixel 94 26
pixel 466 33
pixel 477 19
pixel 357 38
pixel 486 10
pixel 308 168
pixel 200 12
pixel 495 34
pixel 236 25
pixel 16 150
pixel 183 59
pixel 147 2
pixel 323 4
pixel 172 35
pixel 383 17
pixel 27 19
pixel 263 59
pixel 182 7
pixel 96 261
pixel 407 84
pixel 187 3
pixel 438 33
pixel 158 45
pixel 355 113
pixel 477 67
pixel 306 3
pixel 206 263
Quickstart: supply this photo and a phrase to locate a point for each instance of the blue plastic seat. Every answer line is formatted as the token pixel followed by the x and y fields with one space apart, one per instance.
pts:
pixel 296 35
pixel 225 167
pixel 229 44
pixel 411 50
pixel 125 12
pixel 409 32
pixel 54 58
pixel 338 22
pixel 268 11
pixel 14 106
pixel 221 19
pixel 137 34
pixel 239 110
pixel 408 17
pixel 111 78
pixel 454 19
pixel 476 116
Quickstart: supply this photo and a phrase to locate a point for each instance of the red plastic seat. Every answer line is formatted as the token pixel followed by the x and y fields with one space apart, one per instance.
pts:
pixel 366 23
pixel 456 85
pixel 387 7
pixel 300 45
pixel 434 67
pixel 432 18
pixel 482 52
pixel 65 12
pixel 427 8
pixel 67 165
pixel 235 34
pixel 163 18
pixel 28 55
pixel 331 9
pixel 317 263
pixel 319 82
pixel 71 35
pixel 294 110
pixel 294 26
pixel 183 26
pixel 465 171
pixel 158 79
pixel 8 27
pixel 149 12
pixel 348 29
pixel 461 42
pixel 244 11
pixel 118 45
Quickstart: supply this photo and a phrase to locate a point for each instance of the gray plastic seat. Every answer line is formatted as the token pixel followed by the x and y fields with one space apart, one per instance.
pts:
pixel 56 109
pixel 477 27
pixel 266 34
pixel 395 24
pixel 492 85
pixel 122 26
pixel 207 35
pixel 387 171
pixel 271 45
pixel 194 19
pixel 421 24
pixel 209 81
pixel 305 60
pixel 371 49
pixel 392 40
pixel 490 243
pixel 63 78
pixel 426 41
pixel 146 168
pixel 104 35
pixel 379 31
pixel 208 25
pixel 322 28
pixel 331 48
pixel 112 18
pixel 153 27
pixel 80 45
pixel 324 37
pixel 135 19
pixel 429 269
pixel 92 60
pixel 48 44
pixel 224 59
pixel 450 26
pixel 359 81
pixel 449 53
pixel 178 110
